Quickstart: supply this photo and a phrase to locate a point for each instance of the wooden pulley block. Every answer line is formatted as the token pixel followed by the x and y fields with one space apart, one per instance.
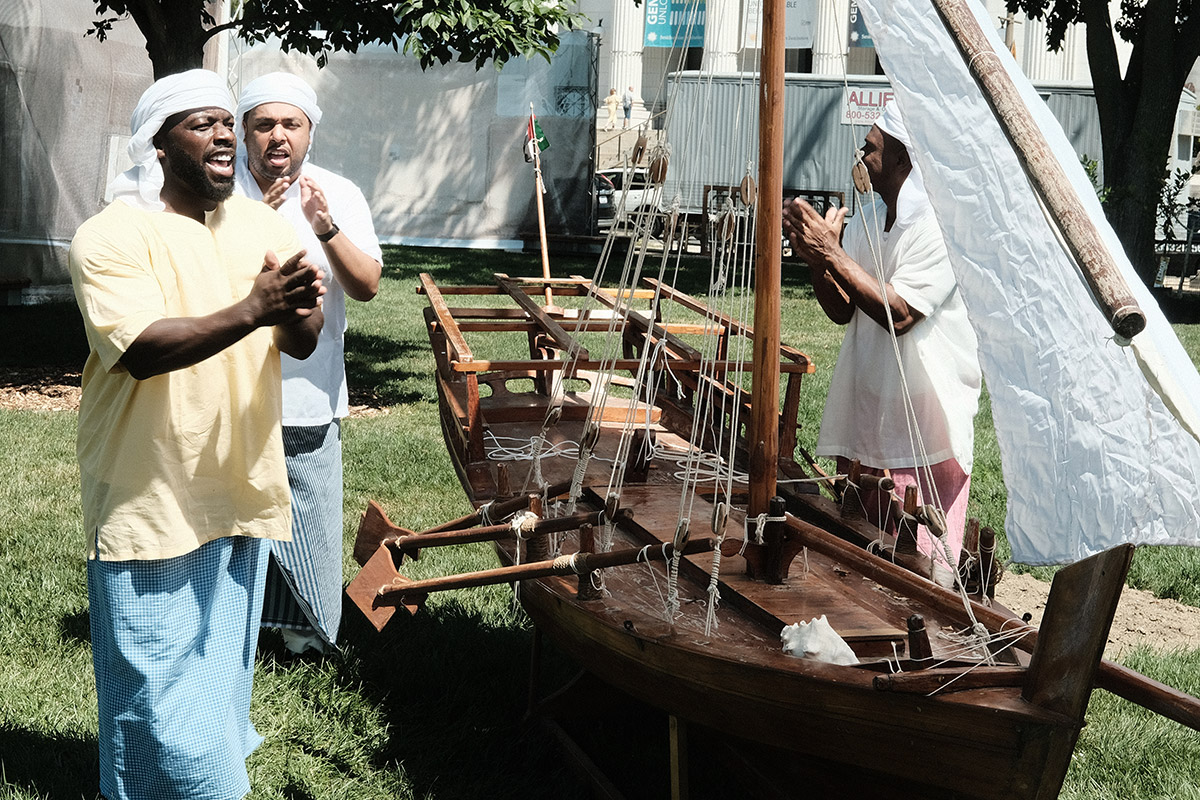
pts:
pixel 726 226
pixel 658 169
pixel 639 149
pixel 670 224
pixel 862 180
pixel 748 191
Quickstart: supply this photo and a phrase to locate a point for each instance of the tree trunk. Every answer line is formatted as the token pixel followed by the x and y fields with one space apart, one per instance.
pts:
pixel 1138 141
pixel 174 32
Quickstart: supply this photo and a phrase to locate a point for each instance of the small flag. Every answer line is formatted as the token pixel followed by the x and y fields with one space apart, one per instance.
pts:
pixel 535 140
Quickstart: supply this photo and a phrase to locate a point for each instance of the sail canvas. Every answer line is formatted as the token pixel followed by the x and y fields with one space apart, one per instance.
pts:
pixel 1096 438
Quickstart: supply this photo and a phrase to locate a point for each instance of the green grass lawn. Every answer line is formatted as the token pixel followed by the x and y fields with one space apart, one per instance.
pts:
pixel 433 707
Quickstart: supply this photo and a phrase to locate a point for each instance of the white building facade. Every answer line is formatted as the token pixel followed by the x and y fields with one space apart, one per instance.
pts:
pixel 640 46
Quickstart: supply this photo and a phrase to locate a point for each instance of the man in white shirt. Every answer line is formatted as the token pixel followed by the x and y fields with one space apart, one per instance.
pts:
pixel 938 371
pixel 277 116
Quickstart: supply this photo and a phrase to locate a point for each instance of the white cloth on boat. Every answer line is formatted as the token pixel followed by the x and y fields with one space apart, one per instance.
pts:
pixel 139 186
pixel 818 641
pixel 865 413
pixel 1097 441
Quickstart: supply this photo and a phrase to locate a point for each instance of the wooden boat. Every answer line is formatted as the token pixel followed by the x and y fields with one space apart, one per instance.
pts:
pixel 920 683
pixel 947 692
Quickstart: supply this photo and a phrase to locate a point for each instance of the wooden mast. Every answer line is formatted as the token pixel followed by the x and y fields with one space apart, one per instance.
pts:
pixel 764 419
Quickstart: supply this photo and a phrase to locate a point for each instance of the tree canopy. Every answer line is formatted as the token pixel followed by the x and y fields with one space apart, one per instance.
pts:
pixel 1137 110
pixel 435 31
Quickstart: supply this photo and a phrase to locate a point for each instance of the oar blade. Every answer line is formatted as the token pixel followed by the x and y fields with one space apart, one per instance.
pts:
pixel 374 528
pixel 363 591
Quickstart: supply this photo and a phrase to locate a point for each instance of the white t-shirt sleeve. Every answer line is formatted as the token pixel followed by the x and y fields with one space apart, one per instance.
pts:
pixel 923 278
pixel 353 216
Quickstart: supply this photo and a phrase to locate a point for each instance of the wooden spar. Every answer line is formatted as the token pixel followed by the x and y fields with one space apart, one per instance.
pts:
pixel 400 589
pixel 764 418
pixel 595 365
pixel 374 527
pixel 538 190
pixel 412 544
pixel 1045 173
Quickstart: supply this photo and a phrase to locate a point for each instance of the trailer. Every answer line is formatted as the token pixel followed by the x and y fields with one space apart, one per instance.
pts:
pixel 711 123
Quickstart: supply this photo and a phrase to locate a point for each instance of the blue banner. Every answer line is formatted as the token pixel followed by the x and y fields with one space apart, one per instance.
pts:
pixel 859 35
pixel 674 23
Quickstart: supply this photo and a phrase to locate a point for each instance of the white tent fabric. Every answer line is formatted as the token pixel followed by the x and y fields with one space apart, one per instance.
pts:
pixel 1092 454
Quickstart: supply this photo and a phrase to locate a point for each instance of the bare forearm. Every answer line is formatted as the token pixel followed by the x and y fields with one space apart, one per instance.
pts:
pixel 833 299
pixel 170 344
pixel 285 295
pixel 298 339
pixel 863 292
pixel 356 271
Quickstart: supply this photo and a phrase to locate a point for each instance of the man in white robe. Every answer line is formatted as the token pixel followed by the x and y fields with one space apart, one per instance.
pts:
pixel 902 403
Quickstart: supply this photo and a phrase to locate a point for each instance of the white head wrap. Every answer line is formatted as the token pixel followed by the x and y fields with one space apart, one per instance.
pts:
pixel 278 87
pixel 912 198
pixel 140 185
pixel 891 123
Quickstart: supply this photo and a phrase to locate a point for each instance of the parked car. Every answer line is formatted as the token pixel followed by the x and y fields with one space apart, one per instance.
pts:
pixel 631 195
pixel 606 206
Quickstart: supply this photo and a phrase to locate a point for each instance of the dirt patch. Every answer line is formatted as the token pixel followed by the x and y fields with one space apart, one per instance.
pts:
pixel 1141 617
pixel 39 388
pixel 58 389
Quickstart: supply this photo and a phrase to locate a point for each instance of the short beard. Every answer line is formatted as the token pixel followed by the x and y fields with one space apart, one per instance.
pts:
pixel 260 167
pixel 194 176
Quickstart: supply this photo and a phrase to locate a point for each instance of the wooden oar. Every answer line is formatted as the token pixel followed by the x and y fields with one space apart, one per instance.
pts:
pixel 378 589
pixel 374 527
pixel 410 544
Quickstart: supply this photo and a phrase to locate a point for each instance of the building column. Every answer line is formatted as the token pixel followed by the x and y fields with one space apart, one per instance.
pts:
pixel 1031 52
pixel 721 25
pixel 829 37
pixel 628 30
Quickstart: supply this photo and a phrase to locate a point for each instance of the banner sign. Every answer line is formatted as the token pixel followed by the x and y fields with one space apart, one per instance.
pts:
pixel 862 104
pixel 799 21
pixel 859 35
pixel 673 23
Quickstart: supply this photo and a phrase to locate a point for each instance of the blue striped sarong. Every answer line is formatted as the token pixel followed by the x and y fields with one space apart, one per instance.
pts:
pixel 173 645
pixel 304 581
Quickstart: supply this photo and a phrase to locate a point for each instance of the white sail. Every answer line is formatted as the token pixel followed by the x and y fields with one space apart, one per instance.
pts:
pixel 1092 453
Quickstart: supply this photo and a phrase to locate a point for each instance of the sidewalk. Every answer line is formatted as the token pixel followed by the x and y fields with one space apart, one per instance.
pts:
pixel 615 146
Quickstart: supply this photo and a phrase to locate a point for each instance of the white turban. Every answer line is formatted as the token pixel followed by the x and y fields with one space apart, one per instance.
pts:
pixel 278 87
pixel 891 123
pixel 912 198
pixel 140 185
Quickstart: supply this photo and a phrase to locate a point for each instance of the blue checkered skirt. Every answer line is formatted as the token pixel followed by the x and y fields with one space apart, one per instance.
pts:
pixel 173 646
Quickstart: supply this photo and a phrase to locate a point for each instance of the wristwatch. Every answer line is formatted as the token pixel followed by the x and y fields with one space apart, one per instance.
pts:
pixel 329 234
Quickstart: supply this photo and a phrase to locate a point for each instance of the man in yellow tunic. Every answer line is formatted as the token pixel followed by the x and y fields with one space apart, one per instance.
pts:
pixel 188 296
